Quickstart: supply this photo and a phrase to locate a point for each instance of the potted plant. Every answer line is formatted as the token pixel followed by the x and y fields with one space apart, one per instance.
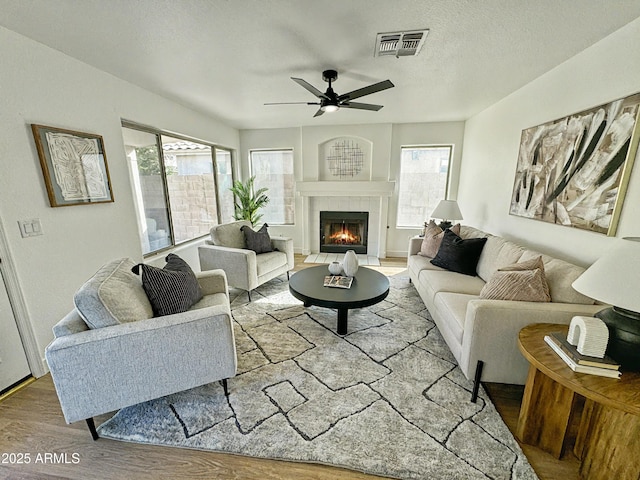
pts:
pixel 247 202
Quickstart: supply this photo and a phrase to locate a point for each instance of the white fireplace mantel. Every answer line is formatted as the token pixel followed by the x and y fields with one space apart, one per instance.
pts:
pixel 371 196
pixel 341 189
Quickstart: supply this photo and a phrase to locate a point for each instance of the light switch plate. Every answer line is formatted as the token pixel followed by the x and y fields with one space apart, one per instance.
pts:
pixel 30 228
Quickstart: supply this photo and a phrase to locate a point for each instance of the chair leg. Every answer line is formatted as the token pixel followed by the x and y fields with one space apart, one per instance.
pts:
pixel 225 387
pixel 249 294
pixel 476 381
pixel 92 428
pixel 287 274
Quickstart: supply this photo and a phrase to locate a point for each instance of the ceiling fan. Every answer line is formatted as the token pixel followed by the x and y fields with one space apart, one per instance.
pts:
pixel 330 101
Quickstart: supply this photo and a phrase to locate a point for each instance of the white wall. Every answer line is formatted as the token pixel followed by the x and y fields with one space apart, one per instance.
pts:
pixel 41 85
pixel 385 164
pixel 606 71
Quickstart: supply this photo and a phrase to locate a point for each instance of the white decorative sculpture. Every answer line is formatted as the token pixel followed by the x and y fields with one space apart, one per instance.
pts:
pixel 350 263
pixel 335 268
pixel 589 335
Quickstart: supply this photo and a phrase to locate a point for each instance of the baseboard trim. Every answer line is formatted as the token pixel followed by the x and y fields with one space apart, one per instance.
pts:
pixel 17 387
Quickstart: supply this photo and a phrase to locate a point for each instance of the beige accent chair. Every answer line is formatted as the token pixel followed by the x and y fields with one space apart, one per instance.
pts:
pixel 128 356
pixel 245 269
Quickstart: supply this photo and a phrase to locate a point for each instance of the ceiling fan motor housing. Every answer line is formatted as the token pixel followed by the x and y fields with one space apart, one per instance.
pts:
pixel 329 76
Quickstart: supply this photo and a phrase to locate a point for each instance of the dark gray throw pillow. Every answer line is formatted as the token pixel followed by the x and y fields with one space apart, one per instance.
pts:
pixel 260 241
pixel 458 255
pixel 172 289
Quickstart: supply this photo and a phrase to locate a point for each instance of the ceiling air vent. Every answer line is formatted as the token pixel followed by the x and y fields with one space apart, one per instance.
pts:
pixel 400 44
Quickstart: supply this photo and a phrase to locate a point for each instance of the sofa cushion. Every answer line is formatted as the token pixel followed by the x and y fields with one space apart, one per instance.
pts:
pixel 459 255
pixel 172 289
pixel 268 262
pixel 433 236
pixel 523 281
pixel 560 275
pixel 211 301
pixel 417 263
pixel 436 281
pixel 260 241
pixel 497 253
pixel 112 296
pixel 229 234
pixel 452 310
pixel 471 232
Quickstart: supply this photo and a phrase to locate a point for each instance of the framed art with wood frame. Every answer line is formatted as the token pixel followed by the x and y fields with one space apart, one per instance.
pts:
pixel 574 171
pixel 74 166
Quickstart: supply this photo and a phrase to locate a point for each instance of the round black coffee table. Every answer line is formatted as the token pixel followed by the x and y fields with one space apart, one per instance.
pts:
pixel 368 288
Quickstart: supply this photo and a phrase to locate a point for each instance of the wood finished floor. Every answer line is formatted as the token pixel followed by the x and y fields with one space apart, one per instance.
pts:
pixel 31 422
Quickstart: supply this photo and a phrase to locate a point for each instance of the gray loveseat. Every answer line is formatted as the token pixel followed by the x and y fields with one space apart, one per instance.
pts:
pixel 482 333
pixel 129 356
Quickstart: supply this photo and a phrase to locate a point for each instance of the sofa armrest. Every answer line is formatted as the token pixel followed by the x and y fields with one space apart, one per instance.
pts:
pixel 213 281
pixel 239 264
pixel 414 245
pixel 491 334
pixel 284 244
pixel 102 370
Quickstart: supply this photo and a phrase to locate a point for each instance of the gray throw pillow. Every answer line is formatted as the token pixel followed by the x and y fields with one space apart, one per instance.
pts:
pixel 260 241
pixel 172 289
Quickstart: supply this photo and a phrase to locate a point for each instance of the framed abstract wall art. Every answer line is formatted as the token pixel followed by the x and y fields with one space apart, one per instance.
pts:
pixel 574 171
pixel 74 166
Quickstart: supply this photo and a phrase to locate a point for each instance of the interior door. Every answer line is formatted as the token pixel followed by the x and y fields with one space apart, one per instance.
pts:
pixel 13 360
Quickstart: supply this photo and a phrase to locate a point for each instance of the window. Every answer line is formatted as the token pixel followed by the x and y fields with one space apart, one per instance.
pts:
pixel 178 186
pixel 224 173
pixel 424 173
pixel 273 169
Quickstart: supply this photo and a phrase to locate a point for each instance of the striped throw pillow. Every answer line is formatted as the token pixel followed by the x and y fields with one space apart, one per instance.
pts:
pixel 172 289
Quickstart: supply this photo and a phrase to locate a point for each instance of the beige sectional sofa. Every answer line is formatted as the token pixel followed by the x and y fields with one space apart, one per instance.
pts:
pixel 482 333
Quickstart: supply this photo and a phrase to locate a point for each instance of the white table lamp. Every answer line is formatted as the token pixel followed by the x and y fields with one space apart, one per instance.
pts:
pixel 447 210
pixel 614 279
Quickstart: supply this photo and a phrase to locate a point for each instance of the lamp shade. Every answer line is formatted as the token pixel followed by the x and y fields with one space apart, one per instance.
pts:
pixel 447 210
pixel 615 277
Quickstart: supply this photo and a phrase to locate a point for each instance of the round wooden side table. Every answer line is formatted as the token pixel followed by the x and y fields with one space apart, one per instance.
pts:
pixel 608 439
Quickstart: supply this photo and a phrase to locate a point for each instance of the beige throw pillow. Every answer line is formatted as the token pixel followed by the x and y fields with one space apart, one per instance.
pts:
pixel 523 282
pixel 433 236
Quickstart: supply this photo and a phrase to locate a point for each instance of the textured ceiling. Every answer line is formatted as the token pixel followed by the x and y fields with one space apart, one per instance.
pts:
pixel 227 58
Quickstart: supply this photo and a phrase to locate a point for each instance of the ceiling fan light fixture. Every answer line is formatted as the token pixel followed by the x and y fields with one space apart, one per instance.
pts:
pixel 329 108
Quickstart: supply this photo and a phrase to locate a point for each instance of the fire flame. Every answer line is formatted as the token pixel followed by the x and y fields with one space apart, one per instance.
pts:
pixel 343 237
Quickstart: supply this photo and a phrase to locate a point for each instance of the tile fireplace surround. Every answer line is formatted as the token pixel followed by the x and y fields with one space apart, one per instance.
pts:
pixel 372 197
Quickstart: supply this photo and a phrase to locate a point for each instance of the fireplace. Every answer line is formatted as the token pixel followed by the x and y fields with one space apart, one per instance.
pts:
pixel 342 231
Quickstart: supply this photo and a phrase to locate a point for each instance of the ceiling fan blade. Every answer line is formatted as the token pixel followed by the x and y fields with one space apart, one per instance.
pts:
pixel 361 106
pixel 293 103
pixel 311 88
pixel 318 113
pixel 361 92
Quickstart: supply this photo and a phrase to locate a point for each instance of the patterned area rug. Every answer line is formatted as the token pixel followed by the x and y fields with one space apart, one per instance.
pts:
pixel 386 399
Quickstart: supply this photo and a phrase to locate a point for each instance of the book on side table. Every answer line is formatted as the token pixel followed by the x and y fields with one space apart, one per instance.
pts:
pixel 604 367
